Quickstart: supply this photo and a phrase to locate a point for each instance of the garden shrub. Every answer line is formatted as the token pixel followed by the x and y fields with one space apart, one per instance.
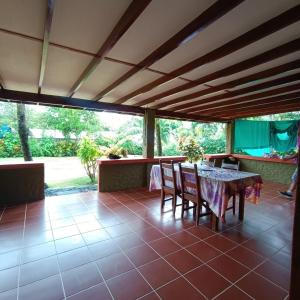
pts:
pixel 88 153
pixel 10 145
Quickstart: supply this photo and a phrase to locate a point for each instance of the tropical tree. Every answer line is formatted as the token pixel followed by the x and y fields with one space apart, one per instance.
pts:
pixel 71 121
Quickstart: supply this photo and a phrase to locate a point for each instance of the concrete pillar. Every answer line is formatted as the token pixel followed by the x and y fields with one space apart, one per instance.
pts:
pixel 148 133
pixel 230 137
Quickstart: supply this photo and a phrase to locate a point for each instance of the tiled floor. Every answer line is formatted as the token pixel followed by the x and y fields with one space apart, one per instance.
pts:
pixel 119 246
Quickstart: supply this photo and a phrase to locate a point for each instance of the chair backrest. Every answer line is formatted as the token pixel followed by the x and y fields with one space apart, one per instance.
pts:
pixel 233 166
pixel 190 185
pixel 168 175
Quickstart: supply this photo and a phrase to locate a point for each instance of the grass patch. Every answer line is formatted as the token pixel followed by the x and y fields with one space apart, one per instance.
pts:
pixel 70 182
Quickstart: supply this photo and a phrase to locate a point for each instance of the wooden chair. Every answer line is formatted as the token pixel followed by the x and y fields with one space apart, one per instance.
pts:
pixel 231 166
pixel 168 184
pixel 190 191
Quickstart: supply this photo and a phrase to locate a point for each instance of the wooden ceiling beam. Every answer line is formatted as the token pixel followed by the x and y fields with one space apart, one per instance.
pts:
pixel 274 92
pixel 76 103
pixel 242 66
pixel 164 114
pixel 263 112
pixel 275 24
pixel 47 30
pixel 49 100
pixel 131 14
pixel 203 103
pixel 245 104
pixel 209 16
pixel 247 109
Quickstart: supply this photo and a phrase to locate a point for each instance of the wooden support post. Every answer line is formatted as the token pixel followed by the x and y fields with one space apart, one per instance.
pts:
pixel 295 267
pixel 148 134
pixel 230 137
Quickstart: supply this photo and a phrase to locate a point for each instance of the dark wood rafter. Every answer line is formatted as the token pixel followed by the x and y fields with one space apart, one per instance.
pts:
pixel 47 30
pixel 177 102
pixel 275 24
pixel 275 92
pixel 248 104
pixel 266 111
pixel 247 109
pixel 203 103
pixel 129 17
pixel 164 114
pixel 75 50
pixel 209 16
pixel 75 103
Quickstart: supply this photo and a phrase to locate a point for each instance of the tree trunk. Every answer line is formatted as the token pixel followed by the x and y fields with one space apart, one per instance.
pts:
pixel 158 138
pixel 23 131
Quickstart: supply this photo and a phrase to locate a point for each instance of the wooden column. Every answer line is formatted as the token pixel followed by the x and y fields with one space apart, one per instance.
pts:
pixel 295 268
pixel 148 134
pixel 230 137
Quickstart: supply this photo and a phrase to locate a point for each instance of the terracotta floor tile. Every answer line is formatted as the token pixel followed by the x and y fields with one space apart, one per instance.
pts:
pixel 9 259
pixel 98 292
pixel 276 273
pixel 72 259
pixel 62 232
pixel 150 234
pixel 229 268
pixel 9 295
pixel 221 243
pixel 118 230
pixel 207 281
pixel 69 243
pixel 151 296
pixel 260 247
pixel 233 293
pixel 37 238
pixel 201 232
pixel 178 290
pixel 203 251
pixel 128 241
pixel 183 261
pixel 184 238
pixel 129 286
pixel 245 256
pixel 62 222
pixel 282 258
pixel 164 246
pixel 9 279
pixel 259 288
pixel 114 265
pixel 38 252
pixel 89 226
pixel 37 289
pixel 104 248
pixel 95 236
pixel 236 236
pixel 158 273
pixel 141 255
pixel 38 270
pixel 78 279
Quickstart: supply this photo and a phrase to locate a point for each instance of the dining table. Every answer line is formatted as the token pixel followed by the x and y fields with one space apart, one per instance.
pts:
pixel 217 186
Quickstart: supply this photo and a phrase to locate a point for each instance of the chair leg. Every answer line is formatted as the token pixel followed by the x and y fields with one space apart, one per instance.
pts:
pixel 197 213
pixel 174 204
pixel 162 199
pixel 233 204
pixel 182 208
pixel 214 222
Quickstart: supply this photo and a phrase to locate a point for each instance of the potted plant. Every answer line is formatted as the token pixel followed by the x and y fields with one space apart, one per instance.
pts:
pixel 115 152
pixel 189 148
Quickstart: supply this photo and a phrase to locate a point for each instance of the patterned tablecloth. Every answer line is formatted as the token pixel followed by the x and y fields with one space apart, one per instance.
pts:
pixel 217 185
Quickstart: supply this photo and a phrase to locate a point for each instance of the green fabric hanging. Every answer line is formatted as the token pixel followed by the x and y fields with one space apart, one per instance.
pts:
pixel 277 129
pixel 251 134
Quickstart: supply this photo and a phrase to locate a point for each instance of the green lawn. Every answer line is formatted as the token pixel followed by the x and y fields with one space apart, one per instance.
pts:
pixel 70 182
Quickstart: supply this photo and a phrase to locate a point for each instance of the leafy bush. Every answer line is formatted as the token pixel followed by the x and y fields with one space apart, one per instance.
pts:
pixel 190 149
pixel 88 153
pixel 213 146
pixel 10 145
pixel 115 152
